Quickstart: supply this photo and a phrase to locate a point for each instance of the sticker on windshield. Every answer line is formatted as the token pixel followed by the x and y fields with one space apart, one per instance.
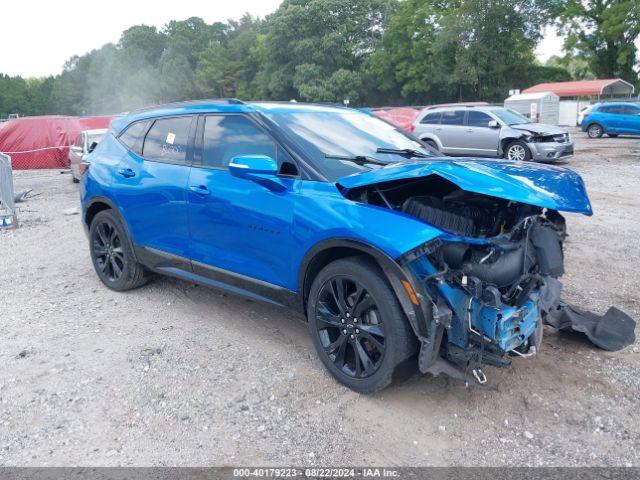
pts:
pixel 171 137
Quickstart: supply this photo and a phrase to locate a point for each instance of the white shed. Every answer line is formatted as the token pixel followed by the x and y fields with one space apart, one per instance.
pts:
pixel 541 107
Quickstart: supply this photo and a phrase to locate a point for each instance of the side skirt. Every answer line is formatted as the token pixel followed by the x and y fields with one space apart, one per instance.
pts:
pixel 209 276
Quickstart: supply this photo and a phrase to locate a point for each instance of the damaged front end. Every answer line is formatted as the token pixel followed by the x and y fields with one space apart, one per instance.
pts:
pixel 491 276
pixel 497 291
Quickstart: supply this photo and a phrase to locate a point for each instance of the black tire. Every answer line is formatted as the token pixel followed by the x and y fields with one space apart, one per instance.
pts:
pixel 112 253
pixel 595 130
pixel 431 143
pixel 517 150
pixel 612 135
pixel 382 336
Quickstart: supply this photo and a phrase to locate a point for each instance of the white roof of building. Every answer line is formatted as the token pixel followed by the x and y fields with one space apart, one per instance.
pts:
pixel 531 96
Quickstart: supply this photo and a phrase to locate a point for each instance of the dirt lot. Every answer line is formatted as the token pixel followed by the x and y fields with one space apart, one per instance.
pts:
pixel 175 374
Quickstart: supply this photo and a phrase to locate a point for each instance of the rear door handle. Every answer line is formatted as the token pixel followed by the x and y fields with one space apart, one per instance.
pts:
pixel 200 189
pixel 470 130
pixel 126 172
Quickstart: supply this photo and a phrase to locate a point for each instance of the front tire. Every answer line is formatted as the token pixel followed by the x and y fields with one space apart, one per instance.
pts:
pixel 358 328
pixel 112 254
pixel 594 131
pixel 518 151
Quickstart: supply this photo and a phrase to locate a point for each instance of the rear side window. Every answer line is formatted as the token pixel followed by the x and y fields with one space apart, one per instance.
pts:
pixel 432 118
pixel 478 119
pixel 168 140
pixel 631 110
pixel 227 136
pixel 616 109
pixel 455 117
pixel 133 136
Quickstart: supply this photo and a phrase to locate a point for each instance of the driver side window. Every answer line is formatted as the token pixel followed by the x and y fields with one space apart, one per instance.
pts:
pixel 227 136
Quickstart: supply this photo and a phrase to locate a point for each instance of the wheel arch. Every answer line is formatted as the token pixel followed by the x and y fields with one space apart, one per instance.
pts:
pixel 99 204
pixel 333 249
pixel 427 136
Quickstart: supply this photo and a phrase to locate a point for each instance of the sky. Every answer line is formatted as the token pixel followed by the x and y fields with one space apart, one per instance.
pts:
pixel 39 36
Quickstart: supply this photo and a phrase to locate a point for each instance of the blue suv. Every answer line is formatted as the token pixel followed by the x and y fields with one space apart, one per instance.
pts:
pixel 614 119
pixel 399 259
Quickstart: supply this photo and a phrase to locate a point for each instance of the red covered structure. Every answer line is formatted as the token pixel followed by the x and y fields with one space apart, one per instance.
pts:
pixel 43 142
pixel 401 117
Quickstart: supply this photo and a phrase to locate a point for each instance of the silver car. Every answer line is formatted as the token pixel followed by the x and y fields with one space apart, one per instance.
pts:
pixel 81 147
pixel 488 131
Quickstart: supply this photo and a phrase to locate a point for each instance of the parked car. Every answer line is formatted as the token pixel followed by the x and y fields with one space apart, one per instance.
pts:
pixel 489 131
pixel 81 147
pixel 584 112
pixel 615 118
pixel 399 259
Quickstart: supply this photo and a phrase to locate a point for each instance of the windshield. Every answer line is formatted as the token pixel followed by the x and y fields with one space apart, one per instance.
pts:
pixel 510 117
pixel 351 134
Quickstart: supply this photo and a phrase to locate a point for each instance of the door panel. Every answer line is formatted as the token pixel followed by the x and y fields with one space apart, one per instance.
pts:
pixel 237 224
pixel 240 226
pixel 479 138
pixel 151 188
pixel 451 132
pixel 631 120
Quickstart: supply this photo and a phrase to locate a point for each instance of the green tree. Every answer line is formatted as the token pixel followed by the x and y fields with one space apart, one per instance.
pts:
pixel 447 50
pixel 309 41
pixel 604 32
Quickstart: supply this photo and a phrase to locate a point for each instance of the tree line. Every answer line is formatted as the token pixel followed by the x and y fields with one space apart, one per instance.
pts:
pixel 372 52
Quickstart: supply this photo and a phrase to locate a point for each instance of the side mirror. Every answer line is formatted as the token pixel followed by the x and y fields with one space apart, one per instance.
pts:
pixel 244 165
pixel 92 147
pixel 493 124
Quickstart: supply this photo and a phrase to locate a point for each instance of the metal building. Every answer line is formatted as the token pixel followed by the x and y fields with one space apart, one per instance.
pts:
pixel 540 107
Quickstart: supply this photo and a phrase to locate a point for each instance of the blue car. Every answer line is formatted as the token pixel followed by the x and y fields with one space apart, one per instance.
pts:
pixel 615 118
pixel 399 259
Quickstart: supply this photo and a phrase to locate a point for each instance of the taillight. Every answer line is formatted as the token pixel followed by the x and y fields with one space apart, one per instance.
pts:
pixel 83 167
pixel 411 128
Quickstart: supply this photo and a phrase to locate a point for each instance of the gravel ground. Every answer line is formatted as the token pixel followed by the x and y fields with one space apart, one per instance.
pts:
pixel 175 374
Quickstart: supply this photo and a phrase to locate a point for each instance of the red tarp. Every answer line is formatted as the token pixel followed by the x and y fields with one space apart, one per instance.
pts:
pixel 43 142
pixel 401 117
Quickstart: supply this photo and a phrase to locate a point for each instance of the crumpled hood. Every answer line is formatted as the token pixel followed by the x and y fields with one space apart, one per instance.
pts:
pixel 539 128
pixel 544 186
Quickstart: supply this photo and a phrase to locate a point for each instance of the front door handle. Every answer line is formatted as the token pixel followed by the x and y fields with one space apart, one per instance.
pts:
pixel 470 130
pixel 126 172
pixel 200 189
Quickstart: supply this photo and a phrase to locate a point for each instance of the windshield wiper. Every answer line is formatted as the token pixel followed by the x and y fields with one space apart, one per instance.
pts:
pixel 358 159
pixel 405 152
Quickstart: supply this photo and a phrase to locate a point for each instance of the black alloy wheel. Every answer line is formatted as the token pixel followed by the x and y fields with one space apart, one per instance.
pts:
pixel 107 249
pixel 358 328
pixel 350 328
pixel 112 254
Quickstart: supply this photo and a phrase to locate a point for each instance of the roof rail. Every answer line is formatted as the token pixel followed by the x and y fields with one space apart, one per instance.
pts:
pixel 203 101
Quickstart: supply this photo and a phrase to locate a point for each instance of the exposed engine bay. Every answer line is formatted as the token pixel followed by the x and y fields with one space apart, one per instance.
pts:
pixel 495 269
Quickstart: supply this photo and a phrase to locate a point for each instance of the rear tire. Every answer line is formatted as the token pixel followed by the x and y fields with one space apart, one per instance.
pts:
pixel 517 150
pixel 112 254
pixel 357 326
pixel 594 130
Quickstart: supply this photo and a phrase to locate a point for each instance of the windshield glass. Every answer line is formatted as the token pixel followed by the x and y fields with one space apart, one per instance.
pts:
pixel 510 117
pixel 347 134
